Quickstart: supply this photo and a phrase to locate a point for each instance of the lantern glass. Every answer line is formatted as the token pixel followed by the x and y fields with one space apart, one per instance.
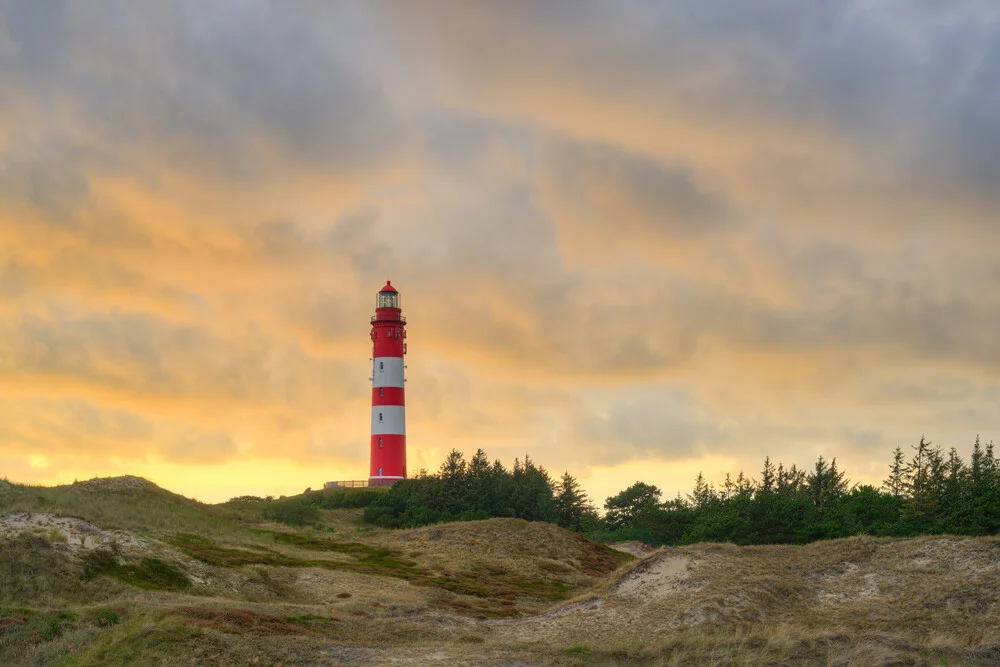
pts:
pixel 388 300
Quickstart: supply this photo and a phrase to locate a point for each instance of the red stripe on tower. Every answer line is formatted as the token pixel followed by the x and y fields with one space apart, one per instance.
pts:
pixel 388 446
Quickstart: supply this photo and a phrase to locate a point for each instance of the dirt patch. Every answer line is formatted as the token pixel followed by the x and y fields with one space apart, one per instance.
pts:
pixel 76 534
pixel 845 582
pixel 656 577
pixel 637 549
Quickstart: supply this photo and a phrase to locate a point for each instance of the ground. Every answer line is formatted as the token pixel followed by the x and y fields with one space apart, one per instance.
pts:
pixel 119 571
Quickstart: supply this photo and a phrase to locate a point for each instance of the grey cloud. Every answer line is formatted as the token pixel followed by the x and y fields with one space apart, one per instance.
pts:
pixel 150 358
pixel 66 424
pixel 49 184
pixel 660 425
pixel 904 91
pixel 603 192
pixel 230 85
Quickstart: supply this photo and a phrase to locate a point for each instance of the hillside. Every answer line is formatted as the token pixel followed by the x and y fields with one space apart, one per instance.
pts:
pixel 119 570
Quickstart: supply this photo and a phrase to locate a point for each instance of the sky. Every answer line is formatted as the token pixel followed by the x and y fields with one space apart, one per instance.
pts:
pixel 634 240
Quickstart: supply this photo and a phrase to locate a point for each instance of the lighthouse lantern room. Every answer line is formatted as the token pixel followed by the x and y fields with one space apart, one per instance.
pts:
pixel 388 445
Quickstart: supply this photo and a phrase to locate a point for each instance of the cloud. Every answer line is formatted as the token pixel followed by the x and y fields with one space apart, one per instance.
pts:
pixel 653 205
pixel 658 233
pixel 232 87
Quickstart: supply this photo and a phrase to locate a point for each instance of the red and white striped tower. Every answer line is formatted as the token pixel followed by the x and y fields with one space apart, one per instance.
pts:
pixel 388 448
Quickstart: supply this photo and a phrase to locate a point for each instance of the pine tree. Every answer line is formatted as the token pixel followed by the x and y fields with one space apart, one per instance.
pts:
pixel 795 480
pixel 895 483
pixel 728 488
pixel 918 480
pixel 743 487
pixel 479 466
pixel 703 494
pixel 767 477
pixel 453 466
pixel 977 464
pixel 818 482
pixel 837 482
pixel 954 486
pixel 573 507
pixel 454 496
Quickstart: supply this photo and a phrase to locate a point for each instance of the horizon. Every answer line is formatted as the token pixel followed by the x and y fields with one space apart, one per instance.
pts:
pixel 668 493
pixel 636 242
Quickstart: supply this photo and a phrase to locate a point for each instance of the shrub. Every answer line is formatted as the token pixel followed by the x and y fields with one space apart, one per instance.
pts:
pixel 105 618
pixel 292 511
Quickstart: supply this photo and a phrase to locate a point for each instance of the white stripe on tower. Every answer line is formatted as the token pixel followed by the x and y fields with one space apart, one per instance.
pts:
pixel 388 420
pixel 387 372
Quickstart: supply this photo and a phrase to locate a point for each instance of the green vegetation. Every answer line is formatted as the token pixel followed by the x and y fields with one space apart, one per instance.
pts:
pixel 209 552
pixel 931 493
pixel 104 618
pixel 148 573
pixel 475 490
pixel 303 509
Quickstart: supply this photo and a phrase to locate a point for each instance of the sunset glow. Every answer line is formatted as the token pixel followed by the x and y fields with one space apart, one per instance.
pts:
pixel 632 240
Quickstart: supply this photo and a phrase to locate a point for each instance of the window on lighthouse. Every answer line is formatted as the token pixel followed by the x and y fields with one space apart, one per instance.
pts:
pixel 379 472
pixel 380 416
pixel 381 365
pixel 380 443
pixel 381 391
pixel 388 300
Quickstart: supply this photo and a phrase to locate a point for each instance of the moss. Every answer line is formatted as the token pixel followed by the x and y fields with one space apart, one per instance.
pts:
pixel 208 552
pixel 148 573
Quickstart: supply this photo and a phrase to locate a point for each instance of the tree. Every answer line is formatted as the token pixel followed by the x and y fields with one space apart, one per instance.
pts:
pixel 826 483
pixel 790 482
pixel 573 508
pixel 531 494
pixel 703 494
pixel 453 483
pixel 767 480
pixel 624 508
pixel 895 483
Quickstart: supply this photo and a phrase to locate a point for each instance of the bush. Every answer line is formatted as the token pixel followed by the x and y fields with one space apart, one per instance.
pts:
pixel 105 618
pixel 292 511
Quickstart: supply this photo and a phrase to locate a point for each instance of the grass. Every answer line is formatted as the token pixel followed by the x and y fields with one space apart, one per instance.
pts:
pixel 125 503
pixel 767 647
pixel 500 591
pixel 149 573
pixel 33 572
pixel 338 591
pixel 209 552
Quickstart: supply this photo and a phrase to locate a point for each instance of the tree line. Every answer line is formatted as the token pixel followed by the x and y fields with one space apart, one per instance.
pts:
pixel 479 489
pixel 927 491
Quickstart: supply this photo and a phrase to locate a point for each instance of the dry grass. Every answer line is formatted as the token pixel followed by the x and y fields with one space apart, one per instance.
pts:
pixel 482 592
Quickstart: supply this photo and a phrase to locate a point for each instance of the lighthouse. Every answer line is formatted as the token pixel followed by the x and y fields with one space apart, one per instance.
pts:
pixel 388 446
